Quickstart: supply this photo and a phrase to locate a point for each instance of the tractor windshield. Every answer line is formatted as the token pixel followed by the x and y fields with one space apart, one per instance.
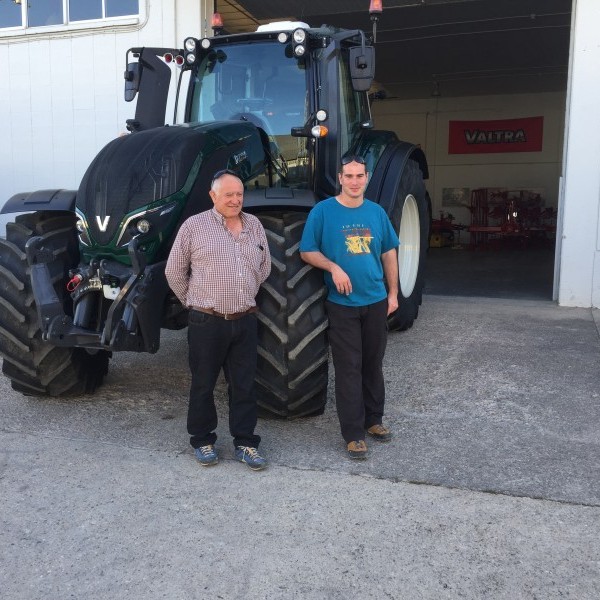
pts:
pixel 264 84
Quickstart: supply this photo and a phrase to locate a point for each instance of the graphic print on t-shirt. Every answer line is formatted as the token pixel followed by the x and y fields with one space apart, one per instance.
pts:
pixel 358 239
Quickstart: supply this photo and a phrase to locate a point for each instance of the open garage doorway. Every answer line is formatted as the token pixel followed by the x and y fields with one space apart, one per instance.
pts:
pixel 481 86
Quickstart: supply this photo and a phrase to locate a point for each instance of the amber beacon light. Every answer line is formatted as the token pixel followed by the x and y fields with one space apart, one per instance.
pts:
pixel 375 9
pixel 217 23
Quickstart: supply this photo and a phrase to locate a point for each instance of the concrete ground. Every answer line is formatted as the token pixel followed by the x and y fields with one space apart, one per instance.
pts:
pixel 490 489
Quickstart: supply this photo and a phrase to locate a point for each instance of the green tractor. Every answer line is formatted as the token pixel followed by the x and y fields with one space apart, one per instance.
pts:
pixel 82 272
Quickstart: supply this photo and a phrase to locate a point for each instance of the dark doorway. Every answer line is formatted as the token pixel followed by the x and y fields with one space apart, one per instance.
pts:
pixel 510 272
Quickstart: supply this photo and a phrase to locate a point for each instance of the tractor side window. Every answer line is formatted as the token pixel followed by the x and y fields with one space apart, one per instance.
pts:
pixel 353 107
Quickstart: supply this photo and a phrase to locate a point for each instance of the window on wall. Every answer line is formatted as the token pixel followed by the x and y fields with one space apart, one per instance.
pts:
pixel 40 13
pixel 44 12
pixel 10 14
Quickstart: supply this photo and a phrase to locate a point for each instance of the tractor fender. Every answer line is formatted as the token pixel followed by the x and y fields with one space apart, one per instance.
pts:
pixel 63 200
pixel 279 199
pixel 419 157
pixel 383 184
pixel 397 185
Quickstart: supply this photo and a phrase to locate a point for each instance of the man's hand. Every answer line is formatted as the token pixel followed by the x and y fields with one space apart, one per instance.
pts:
pixel 392 303
pixel 341 280
pixel 390 269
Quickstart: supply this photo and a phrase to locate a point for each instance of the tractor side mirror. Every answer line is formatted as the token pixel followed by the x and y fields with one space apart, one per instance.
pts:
pixel 132 80
pixel 362 67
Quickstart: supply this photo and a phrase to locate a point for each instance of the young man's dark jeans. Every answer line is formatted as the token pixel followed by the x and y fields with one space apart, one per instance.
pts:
pixel 358 337
pixel 214 343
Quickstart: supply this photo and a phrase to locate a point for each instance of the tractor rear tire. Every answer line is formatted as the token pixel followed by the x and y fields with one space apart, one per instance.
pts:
pixel 291 378
pixel 34 366
pixel 410 217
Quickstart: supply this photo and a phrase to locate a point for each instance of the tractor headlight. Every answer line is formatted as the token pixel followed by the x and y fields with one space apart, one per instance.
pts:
pixel 143 226
pixel 190 58
pixel 190 44
pixel 80 225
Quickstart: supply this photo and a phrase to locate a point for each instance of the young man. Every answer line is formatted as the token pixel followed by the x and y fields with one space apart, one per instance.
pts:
pixel 353 241
pixel 217 263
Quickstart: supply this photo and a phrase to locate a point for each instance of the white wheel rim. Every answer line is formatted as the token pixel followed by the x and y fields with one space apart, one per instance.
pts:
pixel 409 251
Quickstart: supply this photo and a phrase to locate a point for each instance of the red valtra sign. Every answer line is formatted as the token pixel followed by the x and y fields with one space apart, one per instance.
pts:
pixel 505 135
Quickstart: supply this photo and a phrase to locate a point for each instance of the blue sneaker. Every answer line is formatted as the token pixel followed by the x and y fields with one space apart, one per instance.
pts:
pixel 207 455
pixel 251 457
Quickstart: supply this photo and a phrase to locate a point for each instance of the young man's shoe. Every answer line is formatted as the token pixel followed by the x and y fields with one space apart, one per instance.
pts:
pixel 357 450
pixel 207 455
pixel 380 432
pixel 251 457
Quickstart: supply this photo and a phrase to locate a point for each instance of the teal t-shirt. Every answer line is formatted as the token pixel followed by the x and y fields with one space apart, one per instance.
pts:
pixel 354 239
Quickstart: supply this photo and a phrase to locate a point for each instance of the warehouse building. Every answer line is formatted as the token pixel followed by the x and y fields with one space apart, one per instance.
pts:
pixel 500 94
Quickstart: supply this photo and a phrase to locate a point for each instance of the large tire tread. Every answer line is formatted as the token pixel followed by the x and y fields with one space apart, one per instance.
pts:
pixel 293 355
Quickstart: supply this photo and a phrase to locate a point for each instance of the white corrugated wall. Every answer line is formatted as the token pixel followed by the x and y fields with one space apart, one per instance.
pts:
pixel 61 93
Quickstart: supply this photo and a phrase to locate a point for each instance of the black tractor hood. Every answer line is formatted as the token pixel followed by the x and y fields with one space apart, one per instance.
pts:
pixel 139 169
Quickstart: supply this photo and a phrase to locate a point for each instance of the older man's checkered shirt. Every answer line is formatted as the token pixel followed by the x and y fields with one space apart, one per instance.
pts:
pixel 209 268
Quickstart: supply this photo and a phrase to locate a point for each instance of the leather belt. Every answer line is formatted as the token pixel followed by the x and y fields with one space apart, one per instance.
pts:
pixel 227 317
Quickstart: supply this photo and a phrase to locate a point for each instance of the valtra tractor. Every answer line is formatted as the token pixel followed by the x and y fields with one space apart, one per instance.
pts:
pixel 82 272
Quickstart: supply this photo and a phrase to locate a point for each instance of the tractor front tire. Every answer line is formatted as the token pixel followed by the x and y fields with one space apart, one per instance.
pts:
pixel 291 378
pixel 34 366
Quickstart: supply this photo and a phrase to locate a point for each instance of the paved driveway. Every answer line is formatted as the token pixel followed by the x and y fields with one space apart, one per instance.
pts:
pixel 490 489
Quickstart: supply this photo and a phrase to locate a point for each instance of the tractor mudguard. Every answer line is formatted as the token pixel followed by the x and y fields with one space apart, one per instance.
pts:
pixel 396 184
pixel 41 200
pixel 383 184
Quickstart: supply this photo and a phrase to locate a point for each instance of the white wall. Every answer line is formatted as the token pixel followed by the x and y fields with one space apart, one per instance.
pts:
pixel 425 122
pixel 61 93
pixel 579 259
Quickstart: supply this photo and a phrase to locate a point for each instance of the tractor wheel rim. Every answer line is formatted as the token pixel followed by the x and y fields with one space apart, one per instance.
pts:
pixel 409 252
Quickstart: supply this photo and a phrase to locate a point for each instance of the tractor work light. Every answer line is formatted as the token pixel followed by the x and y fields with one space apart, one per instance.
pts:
pixel 190 45
pixel 299 36
pixel 282 37
pixel 321 115
pixel 299 40
pixel 205 43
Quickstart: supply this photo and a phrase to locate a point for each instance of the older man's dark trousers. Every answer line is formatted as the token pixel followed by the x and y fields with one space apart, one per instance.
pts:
pixel 216 343
pixel 358 337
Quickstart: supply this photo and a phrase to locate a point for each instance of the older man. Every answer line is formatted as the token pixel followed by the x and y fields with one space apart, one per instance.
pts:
pixel 218 261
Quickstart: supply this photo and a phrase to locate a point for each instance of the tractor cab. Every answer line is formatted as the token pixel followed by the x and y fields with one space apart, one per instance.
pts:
pixel 304 89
